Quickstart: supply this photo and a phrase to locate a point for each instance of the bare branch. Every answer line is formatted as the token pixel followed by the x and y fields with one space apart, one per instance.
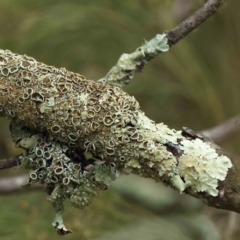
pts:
pixel 191 23
pixel 220 133
pixel 9 162
pixel 12 185
pixel 232 225
pixel 128 64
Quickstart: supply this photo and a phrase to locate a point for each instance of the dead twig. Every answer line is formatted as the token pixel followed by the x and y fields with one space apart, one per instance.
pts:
pixel 9 162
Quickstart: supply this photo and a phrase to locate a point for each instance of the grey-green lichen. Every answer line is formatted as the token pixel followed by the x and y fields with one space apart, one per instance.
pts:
pixel 65 172
pixel 128 64
pixel 78 134
pixel 201 167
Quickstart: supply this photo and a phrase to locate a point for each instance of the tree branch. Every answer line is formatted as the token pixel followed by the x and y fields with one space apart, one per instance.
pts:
pixel 194 21
pixel 9 162
pixel 12 185
pixel 77 133
pixel 224 130
pixel 128 64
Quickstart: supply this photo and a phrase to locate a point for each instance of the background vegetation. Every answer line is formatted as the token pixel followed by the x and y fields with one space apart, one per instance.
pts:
pixel 196 84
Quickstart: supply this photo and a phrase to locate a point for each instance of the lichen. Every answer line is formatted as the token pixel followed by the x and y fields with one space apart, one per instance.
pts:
pixel 201 166
pixel 65 172
pixel 128 64
pixel 78 135
pixel 58 223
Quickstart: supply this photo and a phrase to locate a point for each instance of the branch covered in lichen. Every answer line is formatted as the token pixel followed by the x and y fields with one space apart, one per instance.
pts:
pixel 78 134
pixel 128 64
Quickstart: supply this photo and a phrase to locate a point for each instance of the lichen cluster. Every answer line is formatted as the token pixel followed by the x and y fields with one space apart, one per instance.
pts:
pixel 128 64
pixel 65 172
pixel 78 134
pixel 64 104
pixel 207 168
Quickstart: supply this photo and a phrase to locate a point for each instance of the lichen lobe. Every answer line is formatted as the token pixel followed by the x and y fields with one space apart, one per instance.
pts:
pixel 201 166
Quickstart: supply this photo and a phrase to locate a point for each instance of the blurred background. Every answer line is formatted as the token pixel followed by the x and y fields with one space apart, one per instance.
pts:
pixel 196 84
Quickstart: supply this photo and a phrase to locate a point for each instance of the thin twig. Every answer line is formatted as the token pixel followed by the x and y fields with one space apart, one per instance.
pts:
pixel 191 23
pixel 128 64
pixel 221 132
pixel 9 162
pixel 12 185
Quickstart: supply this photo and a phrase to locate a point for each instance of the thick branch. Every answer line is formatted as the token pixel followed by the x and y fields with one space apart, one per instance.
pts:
pixel 218 134
pixel 78 134
pixel 128 64
pixel 9 162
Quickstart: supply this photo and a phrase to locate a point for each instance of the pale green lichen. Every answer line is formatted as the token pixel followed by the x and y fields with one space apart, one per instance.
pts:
pixel 155 45
pixel 128 64
pixel 58 223
pixel 133 163
pixel 102 173
pixel 178 183
pixel 47 105
pixel 202 166
pixel 28 143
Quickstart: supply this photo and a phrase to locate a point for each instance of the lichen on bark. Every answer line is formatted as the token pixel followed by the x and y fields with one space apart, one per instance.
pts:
pixel 79 134
pixel 128 64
